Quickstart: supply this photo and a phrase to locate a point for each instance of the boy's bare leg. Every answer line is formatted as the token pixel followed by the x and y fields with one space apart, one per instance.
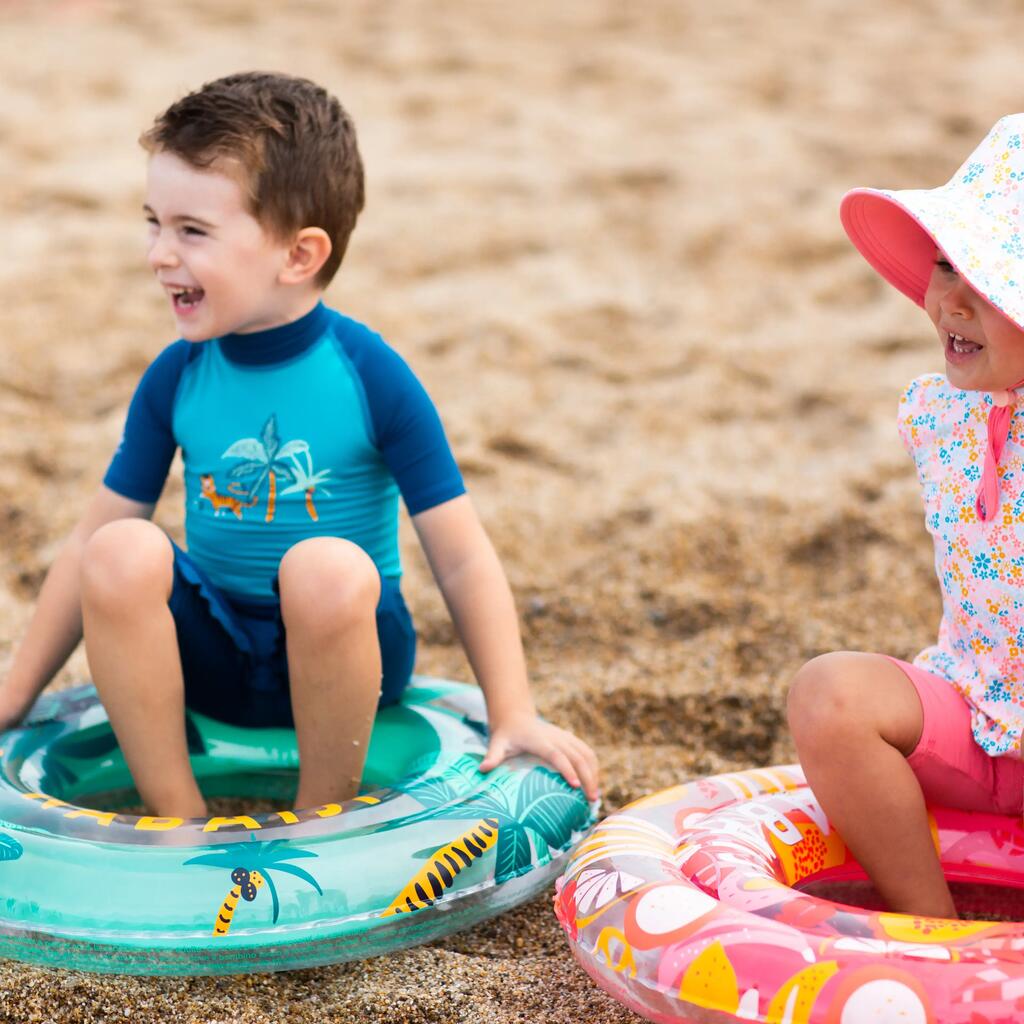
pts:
pixel 131 644
pixel 855 719
pixel 329 594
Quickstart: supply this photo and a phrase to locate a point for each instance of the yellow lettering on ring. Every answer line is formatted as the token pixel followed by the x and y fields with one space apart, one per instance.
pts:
pixel 328 810
pixel 151 824
pixel 288 817
pixel 101 817
pixel 243 819
pixel 48 801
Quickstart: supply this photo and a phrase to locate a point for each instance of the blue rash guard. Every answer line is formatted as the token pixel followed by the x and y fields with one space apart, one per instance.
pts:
pixel 306 430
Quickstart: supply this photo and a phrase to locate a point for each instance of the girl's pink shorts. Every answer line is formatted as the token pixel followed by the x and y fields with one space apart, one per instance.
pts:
pixel 952 769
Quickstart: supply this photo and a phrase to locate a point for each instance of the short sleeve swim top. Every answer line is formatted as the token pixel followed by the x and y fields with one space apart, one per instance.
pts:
pixel 309 429
pixel 980 566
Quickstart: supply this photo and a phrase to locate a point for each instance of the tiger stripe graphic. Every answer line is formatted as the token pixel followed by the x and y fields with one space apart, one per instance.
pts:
pixel 442 866
pixel 247 884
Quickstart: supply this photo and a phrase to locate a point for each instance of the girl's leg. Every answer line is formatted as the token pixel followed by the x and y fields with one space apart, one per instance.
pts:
pixel 855 719
pixel 329 593
pixel 131 644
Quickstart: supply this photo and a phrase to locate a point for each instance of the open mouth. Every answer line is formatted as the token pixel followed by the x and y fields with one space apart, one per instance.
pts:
pixel 186 299
pixel 961 350
pixel 961 346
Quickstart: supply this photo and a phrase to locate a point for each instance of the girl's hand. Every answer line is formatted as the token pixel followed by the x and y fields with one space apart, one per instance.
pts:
pixel 566 753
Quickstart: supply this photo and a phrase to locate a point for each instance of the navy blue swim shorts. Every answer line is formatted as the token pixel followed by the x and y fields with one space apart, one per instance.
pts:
pixel 233 653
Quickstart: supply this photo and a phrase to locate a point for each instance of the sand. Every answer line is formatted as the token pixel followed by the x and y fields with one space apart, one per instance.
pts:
pixel 605 236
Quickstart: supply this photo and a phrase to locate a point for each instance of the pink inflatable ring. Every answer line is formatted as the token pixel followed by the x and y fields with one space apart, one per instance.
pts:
pixel 695 904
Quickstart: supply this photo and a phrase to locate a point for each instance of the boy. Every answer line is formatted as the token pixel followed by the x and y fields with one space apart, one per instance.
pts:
pixel 299 428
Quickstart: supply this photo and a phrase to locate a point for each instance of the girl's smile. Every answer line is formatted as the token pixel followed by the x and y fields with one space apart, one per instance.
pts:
pixel 960 350
pixel 984 350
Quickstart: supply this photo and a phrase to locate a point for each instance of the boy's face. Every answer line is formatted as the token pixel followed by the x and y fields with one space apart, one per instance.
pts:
pixel 984 350
pixel 218 267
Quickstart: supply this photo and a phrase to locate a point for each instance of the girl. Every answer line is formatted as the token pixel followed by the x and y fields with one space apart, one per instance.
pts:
pixel 878 737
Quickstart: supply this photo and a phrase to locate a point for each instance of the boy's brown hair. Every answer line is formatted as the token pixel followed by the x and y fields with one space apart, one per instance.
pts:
pixel 294 142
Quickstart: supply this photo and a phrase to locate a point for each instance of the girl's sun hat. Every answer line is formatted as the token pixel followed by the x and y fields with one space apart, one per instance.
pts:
pixel 977 220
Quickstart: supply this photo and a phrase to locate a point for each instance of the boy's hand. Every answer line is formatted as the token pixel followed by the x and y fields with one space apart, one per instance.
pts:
pixel 12 708
pixel 566 753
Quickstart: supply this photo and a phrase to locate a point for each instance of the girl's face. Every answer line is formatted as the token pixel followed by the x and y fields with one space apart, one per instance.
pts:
pixel 984 351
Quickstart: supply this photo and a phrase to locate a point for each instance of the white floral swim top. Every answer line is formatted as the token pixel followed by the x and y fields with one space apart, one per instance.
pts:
pixel 980 566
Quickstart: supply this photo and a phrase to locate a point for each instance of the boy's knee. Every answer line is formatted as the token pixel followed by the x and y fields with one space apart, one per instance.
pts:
pixel 327 583
pixel 124 560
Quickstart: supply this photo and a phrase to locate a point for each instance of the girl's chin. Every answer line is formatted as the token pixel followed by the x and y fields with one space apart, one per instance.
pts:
pixel 979 382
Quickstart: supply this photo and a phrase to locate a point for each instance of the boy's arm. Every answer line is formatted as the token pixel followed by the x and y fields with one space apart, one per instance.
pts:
pixel 477 593
pixel 56 624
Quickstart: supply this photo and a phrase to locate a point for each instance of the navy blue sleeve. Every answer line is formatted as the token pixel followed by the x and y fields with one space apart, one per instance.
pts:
pixel 407 429
pixel 140 464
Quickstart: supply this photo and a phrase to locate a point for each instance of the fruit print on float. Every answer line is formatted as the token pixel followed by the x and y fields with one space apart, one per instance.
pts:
pixel 708 926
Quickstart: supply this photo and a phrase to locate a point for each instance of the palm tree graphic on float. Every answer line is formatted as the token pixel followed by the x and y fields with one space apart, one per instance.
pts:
pixel 264 459
pixel 251 865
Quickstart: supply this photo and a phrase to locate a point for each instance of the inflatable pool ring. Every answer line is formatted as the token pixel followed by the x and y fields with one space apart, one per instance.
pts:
pixel 430 847
pixel 683 907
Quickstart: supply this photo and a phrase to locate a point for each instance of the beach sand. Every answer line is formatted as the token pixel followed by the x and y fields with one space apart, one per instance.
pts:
pixel 605 236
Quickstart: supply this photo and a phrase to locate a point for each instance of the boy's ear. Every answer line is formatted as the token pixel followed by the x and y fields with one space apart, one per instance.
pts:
pixel 308 252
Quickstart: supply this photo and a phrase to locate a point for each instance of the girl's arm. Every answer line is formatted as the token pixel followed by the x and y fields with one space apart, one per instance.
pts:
pixel 56 624
pixel 478 597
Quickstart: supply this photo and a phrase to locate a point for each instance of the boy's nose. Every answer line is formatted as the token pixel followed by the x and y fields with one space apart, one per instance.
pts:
pixel 161 253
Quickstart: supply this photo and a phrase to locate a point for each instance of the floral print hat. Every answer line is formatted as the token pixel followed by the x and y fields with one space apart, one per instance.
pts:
pixel 977 219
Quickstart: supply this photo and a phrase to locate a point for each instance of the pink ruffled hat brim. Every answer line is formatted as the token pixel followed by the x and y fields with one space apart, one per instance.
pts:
pixel 976 219
pixel 891 238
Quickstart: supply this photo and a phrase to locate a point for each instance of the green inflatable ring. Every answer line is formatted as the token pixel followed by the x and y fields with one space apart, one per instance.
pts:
pixel 431 846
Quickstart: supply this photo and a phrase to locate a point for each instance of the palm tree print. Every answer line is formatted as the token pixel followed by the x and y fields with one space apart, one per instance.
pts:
pixel 539 811
pixel 251 865
pixel 264 458
pixel 10 848
pixel 305 479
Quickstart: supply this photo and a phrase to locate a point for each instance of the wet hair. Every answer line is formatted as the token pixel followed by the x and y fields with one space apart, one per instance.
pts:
pixel 293 142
